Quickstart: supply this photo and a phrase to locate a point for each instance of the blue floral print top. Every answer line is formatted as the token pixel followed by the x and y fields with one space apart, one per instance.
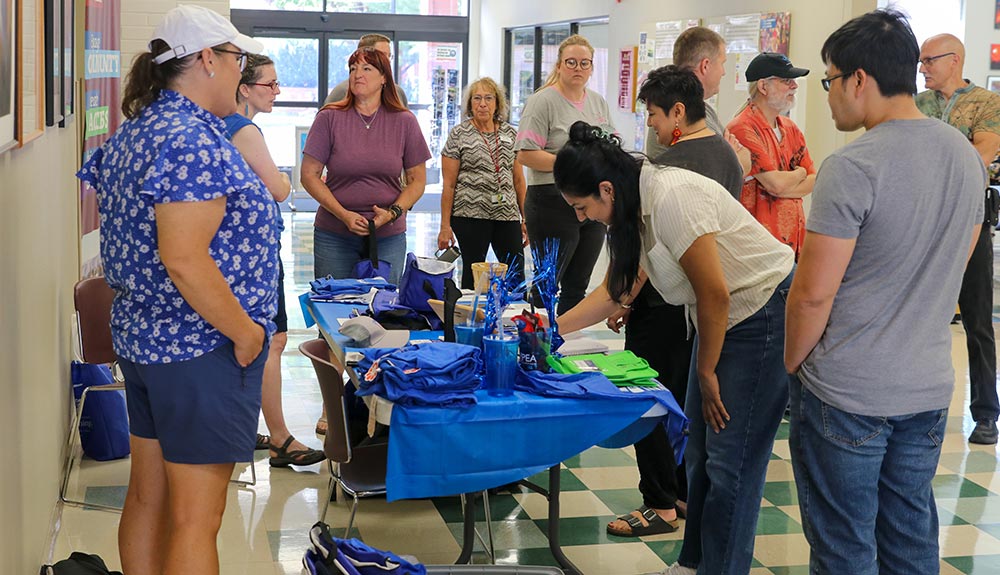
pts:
pixel 175 151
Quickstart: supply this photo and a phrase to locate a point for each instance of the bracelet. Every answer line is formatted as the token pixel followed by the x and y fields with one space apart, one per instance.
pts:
pixel 396 210
pixel 625 305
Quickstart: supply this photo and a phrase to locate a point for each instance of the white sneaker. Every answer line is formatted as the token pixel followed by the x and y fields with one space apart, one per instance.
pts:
pixel 678 569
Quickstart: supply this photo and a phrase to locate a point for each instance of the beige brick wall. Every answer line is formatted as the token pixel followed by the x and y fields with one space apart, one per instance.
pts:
pixel 140 17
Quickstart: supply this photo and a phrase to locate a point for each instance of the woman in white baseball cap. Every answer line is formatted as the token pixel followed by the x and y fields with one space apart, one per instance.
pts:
pixel 189 244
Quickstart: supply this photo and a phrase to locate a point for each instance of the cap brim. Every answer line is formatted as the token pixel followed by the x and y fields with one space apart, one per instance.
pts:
pixel 794 72
pixel 393 338
pixel 248 44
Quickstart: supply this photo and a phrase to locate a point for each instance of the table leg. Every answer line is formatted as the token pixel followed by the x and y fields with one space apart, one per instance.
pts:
pixel 554 546
pixel 468 528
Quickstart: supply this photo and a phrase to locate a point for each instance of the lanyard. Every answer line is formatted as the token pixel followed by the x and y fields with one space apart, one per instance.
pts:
pixel 494 152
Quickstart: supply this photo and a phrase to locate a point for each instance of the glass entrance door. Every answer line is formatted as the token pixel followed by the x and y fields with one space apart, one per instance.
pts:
pixel 431 75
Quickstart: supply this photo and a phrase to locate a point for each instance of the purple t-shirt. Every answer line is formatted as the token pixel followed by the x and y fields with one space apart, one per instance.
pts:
pixel 363 164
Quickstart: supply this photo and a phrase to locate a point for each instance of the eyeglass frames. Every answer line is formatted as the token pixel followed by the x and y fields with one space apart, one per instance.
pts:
pixel 273 84
pixel 242 55
pixel 927 61
pixel 827 81
pixel 573 63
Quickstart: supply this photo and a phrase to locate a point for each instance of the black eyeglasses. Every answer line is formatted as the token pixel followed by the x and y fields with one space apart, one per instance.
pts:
pixel 273 84
pixel 927 61
pixel 242 55
pixel 573 63
pixel 827 81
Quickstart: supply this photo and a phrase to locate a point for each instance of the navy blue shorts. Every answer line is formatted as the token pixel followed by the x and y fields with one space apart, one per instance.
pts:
pixel 203 410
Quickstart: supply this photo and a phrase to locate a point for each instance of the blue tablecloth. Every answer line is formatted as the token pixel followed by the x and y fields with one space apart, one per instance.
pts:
pixel 437 451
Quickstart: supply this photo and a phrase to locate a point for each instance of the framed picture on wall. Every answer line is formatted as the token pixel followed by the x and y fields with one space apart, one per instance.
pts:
pixel 67 60
pixel 993 84
pixel 31 63
pixel 9 30
pixel 53 62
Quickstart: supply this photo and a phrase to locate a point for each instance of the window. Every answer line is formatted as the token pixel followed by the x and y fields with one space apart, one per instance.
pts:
pixel 415 7
pixel 531 55
pixel 311 51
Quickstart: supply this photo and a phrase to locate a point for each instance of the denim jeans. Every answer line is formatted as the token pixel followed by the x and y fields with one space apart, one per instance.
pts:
pixel 860 476
pixel 336 255
pixel 726 470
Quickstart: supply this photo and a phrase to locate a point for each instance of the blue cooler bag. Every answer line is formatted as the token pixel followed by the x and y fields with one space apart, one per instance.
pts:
pixel 423 279
pixel 104 423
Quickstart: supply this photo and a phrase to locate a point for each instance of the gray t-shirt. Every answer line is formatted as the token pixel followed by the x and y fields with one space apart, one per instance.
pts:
pixel 339 92
pixel 654 149
pixel 547 118
pixel 909 192
pixel 711 157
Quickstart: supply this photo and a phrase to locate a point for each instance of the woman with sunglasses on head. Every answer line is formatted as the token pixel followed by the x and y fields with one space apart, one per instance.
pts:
pixel 189 245
pixel 700 248
pixel 482 200
pixel 256 93
pixel 544 128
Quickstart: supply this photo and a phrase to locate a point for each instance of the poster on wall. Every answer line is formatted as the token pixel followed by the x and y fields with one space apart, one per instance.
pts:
pixel 775 29
pixel 626 79
pixel 666 34
pixel 8 31
pixel 742 33
pixel 100 107
pixel 994 56
pixel 996 16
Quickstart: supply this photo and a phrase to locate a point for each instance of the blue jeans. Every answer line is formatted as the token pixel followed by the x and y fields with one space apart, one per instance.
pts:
pixel 860 476
pixel 726 470
pixel 336 255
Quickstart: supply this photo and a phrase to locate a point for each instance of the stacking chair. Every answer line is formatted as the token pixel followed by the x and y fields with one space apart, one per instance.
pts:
pixel 92 299
pixel 360 470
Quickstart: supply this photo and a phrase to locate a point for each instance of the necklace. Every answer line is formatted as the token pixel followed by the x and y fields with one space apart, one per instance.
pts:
pixel 368 124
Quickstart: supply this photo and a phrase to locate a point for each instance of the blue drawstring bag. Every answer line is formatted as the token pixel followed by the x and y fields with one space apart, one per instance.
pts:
pixel 104 423
pixel 423 279
pixel 372 267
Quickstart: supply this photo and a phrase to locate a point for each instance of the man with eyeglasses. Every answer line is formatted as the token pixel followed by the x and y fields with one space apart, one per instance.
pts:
pixel 382 44
pixel 976 113
pixel 781 169
pixel 893 220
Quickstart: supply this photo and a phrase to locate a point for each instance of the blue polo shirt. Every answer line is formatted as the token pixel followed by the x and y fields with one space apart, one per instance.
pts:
pixel 175 151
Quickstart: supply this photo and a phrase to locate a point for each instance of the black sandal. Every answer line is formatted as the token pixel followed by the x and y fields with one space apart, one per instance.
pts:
pixel 263 442
pixel 284 458
pixel 654 524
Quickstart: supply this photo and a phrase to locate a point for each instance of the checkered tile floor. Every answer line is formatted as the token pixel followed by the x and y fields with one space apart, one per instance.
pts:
pixel 265 526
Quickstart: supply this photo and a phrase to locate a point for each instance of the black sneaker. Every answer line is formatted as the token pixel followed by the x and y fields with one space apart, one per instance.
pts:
pixel 985 433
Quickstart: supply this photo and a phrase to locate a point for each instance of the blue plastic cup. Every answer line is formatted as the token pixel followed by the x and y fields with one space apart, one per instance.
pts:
pixel 500 352
pixel 469 335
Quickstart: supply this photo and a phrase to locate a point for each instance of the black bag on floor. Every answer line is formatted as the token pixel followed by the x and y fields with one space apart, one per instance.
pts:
pixel 79 564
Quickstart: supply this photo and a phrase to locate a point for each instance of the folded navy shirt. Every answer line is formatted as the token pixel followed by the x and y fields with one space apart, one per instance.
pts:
pixel 433 373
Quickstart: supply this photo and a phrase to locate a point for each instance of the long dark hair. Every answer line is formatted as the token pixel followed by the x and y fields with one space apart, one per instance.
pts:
pixel 590 157
pixel 381 63
pixel 147 78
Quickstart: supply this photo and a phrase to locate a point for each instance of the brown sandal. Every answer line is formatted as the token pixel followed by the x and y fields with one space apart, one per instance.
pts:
pixel 321 426
pixel 284 458
pixel 654 524
pixel 263 442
